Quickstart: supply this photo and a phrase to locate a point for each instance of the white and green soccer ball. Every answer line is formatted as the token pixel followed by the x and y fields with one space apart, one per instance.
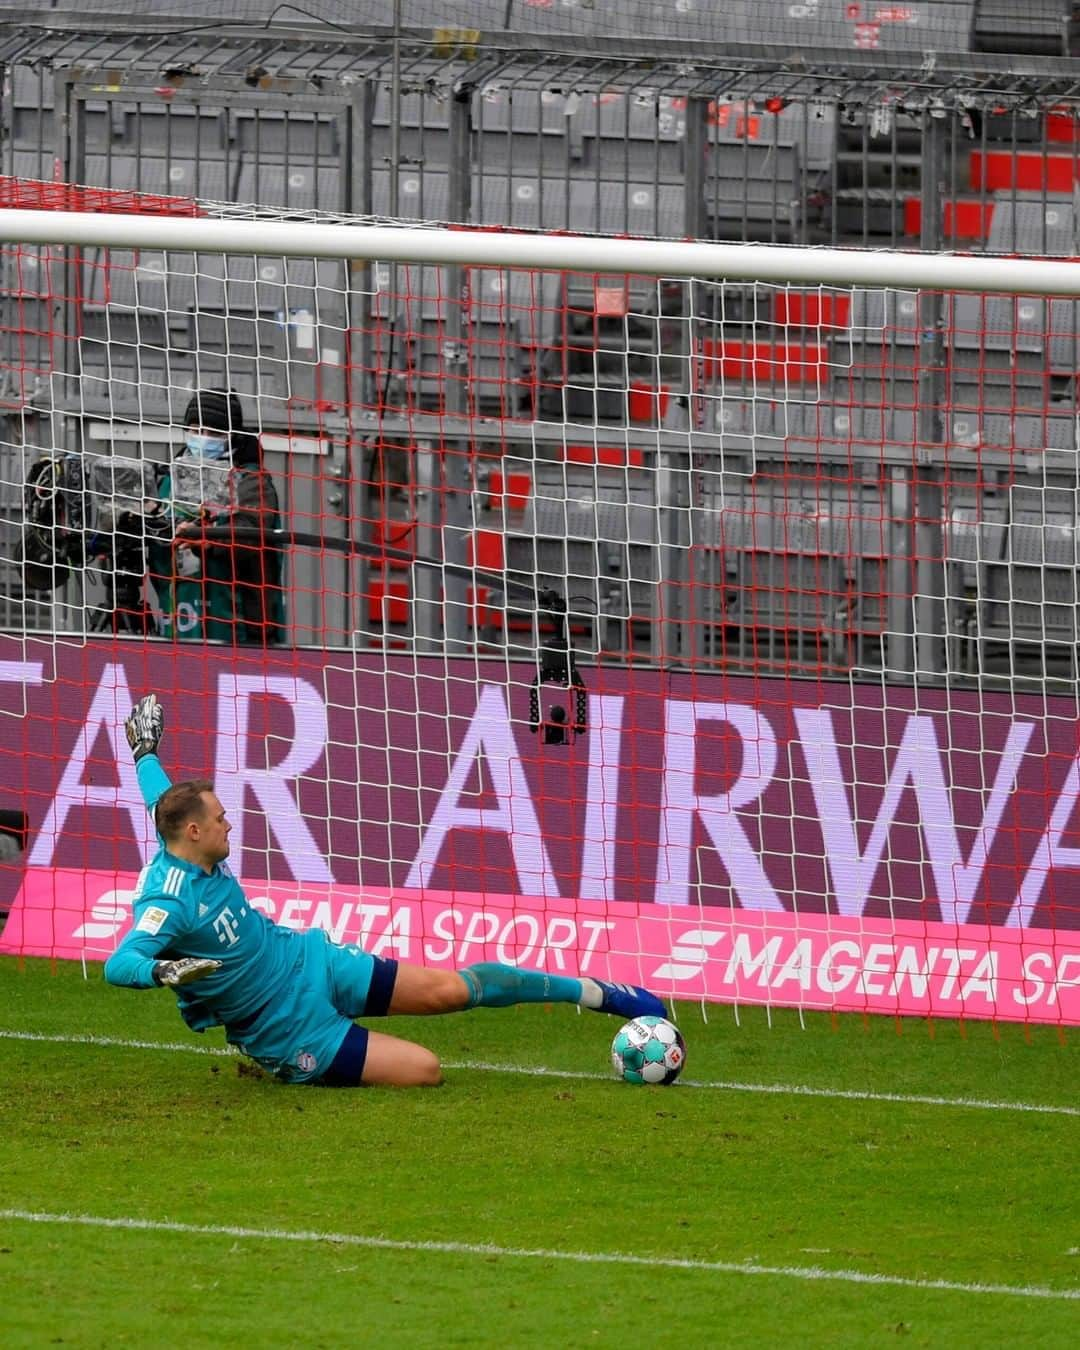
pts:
pixel 648 1050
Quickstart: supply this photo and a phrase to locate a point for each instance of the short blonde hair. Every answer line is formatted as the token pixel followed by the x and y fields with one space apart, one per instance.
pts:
pixel 179 804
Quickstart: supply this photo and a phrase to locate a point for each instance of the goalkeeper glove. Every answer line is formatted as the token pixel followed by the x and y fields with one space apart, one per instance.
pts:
pixel 145 727
pixel 184 971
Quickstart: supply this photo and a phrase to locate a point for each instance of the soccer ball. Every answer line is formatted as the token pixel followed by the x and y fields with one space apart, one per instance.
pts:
pixel 648 1050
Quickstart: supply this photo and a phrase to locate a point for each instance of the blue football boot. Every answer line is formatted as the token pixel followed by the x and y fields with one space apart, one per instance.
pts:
pixel 629 1001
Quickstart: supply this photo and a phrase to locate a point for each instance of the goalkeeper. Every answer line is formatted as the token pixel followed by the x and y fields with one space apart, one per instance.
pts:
pixel 288 999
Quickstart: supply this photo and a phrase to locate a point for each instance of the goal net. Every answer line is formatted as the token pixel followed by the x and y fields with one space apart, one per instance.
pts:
pixel 692 615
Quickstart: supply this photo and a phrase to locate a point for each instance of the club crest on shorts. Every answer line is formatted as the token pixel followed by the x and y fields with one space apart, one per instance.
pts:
pixel 306 1061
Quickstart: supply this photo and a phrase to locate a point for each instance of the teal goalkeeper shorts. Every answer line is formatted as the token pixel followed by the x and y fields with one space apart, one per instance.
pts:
pixel 297 1036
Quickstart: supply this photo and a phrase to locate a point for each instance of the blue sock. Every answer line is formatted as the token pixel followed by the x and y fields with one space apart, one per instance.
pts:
pixel 495 986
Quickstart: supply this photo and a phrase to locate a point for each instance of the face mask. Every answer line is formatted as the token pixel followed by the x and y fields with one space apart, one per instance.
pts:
pixel 206 447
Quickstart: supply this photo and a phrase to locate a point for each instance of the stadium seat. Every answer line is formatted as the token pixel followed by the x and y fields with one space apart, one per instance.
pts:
pixel 161 129
pixel 148 280
pixel 30 115
pixel 812 309
pixel 959 220
pixel 175 175
pixel 25 271
pixel 590 529
pixel 635 208
pixel 508 491
pixel 387 601
pixel 294 186
pixel 526 128
pixel 1033 223
pixel 632 135
pixel 884 316
pixel 396 534
pixel 523 201
pixel 411 293
pixel 1024 170
pixel 868 425
pixel 796 566
pixel 1026 601
pixel 485 549
pixel 297 136
pixel 611 455
pixel 528 304
pixel 423 193
pixel 809 127
pixel 768 363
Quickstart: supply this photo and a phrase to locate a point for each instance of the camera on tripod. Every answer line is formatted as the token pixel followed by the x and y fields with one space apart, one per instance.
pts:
pixel 558 699
pixel 90 511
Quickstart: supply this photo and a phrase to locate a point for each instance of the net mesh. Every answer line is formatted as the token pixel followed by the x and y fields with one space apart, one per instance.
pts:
pixel 715 636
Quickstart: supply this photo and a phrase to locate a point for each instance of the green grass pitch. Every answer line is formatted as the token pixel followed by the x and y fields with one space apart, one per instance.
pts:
pixel 899 1195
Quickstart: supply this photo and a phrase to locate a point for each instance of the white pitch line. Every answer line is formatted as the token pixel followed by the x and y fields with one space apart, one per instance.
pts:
pixel 793 1090
pixel 812 1273
pixel 115 1042
pixel 530 1071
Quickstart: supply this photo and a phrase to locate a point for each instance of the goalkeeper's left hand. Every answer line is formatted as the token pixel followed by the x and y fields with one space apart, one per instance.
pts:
pixel 145 727
pixel 184 971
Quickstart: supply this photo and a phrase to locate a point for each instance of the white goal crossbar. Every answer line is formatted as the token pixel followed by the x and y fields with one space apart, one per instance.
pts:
pixel 799 265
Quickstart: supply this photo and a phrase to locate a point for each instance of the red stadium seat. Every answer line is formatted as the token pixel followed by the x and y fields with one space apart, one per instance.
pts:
pixel 768 362
pixel 962 219
pixel 484 548
pixel 614 455
pixel 645 403
pixel 1001 170
pixel 395 534
pixel 388 601
pixel 811 309
pixel 510 489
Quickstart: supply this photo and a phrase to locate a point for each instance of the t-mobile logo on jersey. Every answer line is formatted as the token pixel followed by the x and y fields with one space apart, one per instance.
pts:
pixel 226 929
pixel 689 952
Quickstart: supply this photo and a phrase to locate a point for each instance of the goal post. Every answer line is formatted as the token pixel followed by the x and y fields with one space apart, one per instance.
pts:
pixel 698 615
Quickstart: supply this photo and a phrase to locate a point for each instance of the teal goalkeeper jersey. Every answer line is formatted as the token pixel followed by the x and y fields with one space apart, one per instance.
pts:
pixel 181 910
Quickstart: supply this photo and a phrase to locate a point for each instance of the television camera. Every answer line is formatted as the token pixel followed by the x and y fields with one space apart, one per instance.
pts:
pixel 92 514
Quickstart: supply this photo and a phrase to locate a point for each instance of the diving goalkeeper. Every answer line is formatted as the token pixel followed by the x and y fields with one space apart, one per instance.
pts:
pixel 288 999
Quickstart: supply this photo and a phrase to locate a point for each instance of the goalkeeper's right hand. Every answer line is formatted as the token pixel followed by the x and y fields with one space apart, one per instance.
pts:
pixel 145 727
pixel 184 971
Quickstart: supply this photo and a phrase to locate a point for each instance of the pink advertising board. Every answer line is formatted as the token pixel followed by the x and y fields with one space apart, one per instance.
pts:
pixel 734 956
pixel 823 845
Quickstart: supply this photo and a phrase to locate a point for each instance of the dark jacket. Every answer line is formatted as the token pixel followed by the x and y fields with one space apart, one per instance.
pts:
pixel 237 596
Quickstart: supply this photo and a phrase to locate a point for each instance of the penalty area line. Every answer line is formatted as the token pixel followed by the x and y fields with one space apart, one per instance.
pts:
pixel 487 1250
pixel 535 1071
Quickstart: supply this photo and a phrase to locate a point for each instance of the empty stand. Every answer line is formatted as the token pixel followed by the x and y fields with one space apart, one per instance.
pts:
pixel 791 560
pixel 1014 594
pixel 1034 223
pixel 589 528
pixel 790 569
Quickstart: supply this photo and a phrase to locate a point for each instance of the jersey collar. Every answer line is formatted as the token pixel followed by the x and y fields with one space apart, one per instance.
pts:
pixel 192 869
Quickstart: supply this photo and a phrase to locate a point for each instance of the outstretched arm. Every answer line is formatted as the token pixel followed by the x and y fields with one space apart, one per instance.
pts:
pixel 144 729
pixel 135 959
pixel 161 921
pixel 153 780
pixel 135 963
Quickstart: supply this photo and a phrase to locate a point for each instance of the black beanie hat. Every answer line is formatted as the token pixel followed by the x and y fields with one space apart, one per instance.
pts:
pixel 216 410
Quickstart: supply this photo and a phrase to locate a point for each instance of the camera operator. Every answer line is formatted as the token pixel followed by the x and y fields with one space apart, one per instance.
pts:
pixel 229 591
